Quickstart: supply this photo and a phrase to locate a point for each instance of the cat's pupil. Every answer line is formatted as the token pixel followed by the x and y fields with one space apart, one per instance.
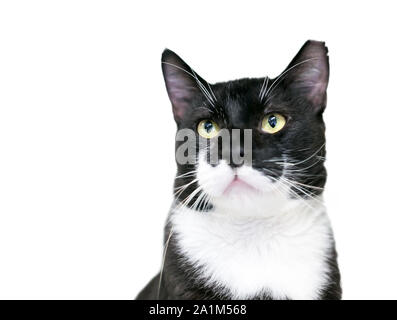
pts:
pixel 272 121
pixel 208 126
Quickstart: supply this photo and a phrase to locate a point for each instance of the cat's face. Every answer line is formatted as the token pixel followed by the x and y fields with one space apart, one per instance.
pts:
pixel 285 141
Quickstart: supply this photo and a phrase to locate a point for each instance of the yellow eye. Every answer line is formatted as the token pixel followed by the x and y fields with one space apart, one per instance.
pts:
pixel 273 123
pixel 207 129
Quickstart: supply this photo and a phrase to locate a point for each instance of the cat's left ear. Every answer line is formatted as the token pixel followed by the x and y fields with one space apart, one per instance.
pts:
pixel 307 74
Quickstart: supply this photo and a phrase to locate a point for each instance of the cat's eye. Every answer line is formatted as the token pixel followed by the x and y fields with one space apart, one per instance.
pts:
pixel 208 129
pixel 273 123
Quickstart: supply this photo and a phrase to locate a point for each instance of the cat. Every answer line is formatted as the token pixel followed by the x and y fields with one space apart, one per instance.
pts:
pixel 257 229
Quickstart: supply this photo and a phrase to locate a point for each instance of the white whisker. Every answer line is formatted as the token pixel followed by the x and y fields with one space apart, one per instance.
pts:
pixel 194 76
pixel 277 81
pixel 163 261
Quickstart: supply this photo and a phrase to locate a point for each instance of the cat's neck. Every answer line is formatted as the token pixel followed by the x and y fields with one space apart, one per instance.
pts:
pixel 284 255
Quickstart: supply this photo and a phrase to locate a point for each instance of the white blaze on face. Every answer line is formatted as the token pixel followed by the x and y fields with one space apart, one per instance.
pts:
pixel 241 190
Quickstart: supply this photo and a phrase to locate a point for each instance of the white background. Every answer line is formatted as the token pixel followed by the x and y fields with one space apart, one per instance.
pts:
pixel 86 132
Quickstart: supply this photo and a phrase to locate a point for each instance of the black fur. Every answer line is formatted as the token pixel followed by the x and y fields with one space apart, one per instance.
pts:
pixel 300 95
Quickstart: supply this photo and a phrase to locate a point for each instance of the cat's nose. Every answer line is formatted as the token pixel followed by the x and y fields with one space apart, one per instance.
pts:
pixel 235 165
pixel 237 157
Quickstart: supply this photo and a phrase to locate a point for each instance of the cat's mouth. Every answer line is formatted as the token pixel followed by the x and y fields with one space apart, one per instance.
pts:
pixel 238 186
pixel 223 182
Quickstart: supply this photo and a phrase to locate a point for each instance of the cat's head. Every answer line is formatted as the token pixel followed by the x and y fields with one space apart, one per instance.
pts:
pixel 282 154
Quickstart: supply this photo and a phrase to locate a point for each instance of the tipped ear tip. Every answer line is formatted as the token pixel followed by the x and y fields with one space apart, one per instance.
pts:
pixel 315 43
pixel 317 46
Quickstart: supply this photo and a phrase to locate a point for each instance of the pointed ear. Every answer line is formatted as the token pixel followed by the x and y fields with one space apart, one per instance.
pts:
pixel 307 74
pixel 181 81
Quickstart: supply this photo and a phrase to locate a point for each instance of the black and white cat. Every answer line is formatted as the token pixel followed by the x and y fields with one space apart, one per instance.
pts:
pixel 255 230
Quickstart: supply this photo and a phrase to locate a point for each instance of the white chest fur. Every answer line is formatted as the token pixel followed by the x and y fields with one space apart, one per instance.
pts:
pixel 284 255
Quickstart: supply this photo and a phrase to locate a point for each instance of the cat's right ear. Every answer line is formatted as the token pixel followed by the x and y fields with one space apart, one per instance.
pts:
pixel 181 82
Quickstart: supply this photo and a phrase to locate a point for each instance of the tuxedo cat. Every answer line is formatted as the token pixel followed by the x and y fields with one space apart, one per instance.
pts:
pixel 256 229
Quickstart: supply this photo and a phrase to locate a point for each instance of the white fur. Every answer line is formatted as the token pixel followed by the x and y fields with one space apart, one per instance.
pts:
pixel 255 242
pixel 214 180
